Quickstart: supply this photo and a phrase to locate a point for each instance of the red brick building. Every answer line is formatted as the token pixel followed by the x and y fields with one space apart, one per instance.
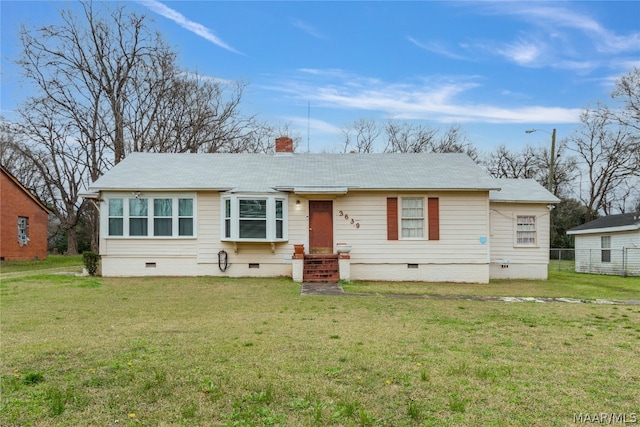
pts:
pixel 23 221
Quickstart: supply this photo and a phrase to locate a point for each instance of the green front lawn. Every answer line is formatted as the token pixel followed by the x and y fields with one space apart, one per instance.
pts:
pixel 561 284
pixel 247 352
pixel 52 262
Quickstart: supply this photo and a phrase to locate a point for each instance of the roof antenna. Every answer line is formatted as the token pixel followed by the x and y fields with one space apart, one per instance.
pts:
pixel 308 122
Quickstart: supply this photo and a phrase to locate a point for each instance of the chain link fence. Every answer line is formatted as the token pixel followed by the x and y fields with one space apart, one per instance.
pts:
pixel 619 262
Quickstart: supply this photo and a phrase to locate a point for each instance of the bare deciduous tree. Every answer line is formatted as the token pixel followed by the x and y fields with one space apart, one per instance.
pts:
pixel 607 152
pixel 106 85
pixel 533 163
pixel 87 66
pixel 75 124
pixel 12 159
pixel 361 136
pixel 56 156
pixel 504 163
pixel 628 92
pixel 408 138
pixel 454 140
pixel 192 114
pixel 625 198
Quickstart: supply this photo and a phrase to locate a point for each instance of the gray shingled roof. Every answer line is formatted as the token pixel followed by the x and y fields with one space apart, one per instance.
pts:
pixel 628 220
pixel 521 191
pixel 299 172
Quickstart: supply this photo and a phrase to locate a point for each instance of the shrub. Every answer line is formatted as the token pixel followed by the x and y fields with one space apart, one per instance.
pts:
pixel 90 261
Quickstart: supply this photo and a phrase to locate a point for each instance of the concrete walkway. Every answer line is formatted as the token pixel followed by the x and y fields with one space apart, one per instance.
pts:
pixel 322 288
pixel 314 288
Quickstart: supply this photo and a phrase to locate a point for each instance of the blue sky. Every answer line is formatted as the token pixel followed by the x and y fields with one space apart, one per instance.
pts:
pixel 496 68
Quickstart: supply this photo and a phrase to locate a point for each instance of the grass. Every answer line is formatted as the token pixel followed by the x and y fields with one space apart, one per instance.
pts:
pixel 70 262
pixel 254 352
pixel 561 284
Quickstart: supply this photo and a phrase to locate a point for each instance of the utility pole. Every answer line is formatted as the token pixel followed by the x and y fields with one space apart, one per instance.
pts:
pixel 552 157
pixel 552 160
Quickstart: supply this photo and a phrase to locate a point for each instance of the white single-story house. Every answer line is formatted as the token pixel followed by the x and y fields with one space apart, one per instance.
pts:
pixel 520 229
pixel 422 217
pixel 608 245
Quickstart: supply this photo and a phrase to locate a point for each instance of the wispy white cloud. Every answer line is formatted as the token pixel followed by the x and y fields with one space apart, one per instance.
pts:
pixel 436 98
pixel 521 52
pixel 196 28
pixel 526 53
pixel 436 47
pixel 315 125
pixel 211 79
pixel 348 78
pixel 327 72
pixel 308 28
pixel 628 64
pixel 560 17
pixel 514 95
pixel 558 36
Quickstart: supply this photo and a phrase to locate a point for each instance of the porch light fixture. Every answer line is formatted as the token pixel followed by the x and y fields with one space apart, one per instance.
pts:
pixel 297 203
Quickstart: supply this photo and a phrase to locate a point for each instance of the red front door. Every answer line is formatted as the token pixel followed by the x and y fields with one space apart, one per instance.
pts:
pixel 321 227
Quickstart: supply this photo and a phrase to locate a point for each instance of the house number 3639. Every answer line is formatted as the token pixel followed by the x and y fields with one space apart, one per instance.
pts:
pixel 349 219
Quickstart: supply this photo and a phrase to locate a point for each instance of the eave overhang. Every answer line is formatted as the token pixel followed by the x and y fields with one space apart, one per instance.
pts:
pixel 632 227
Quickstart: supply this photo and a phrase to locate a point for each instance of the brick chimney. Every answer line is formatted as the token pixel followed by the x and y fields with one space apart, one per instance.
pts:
pixel 284 144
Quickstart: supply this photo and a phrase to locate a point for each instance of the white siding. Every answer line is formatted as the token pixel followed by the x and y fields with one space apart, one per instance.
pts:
pixel 462 254
pixel 199 256
pixel 208 227
pixel 509 261
pixel 455 273
pixel 589 258
pixel 463 220
pixel 266 259
pixel 129 256
pixel 150 247
pixel 114 266
pixel 455 257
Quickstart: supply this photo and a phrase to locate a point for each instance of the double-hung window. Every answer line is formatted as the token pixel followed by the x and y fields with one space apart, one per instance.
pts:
pixel 116 217
pixel 279 218
pixel 526 231
pixel 185 217
pixel 254 218
pixel 605 249
pixel 412 217
pixel 227 219
pixel 161 217
pixel 138 217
